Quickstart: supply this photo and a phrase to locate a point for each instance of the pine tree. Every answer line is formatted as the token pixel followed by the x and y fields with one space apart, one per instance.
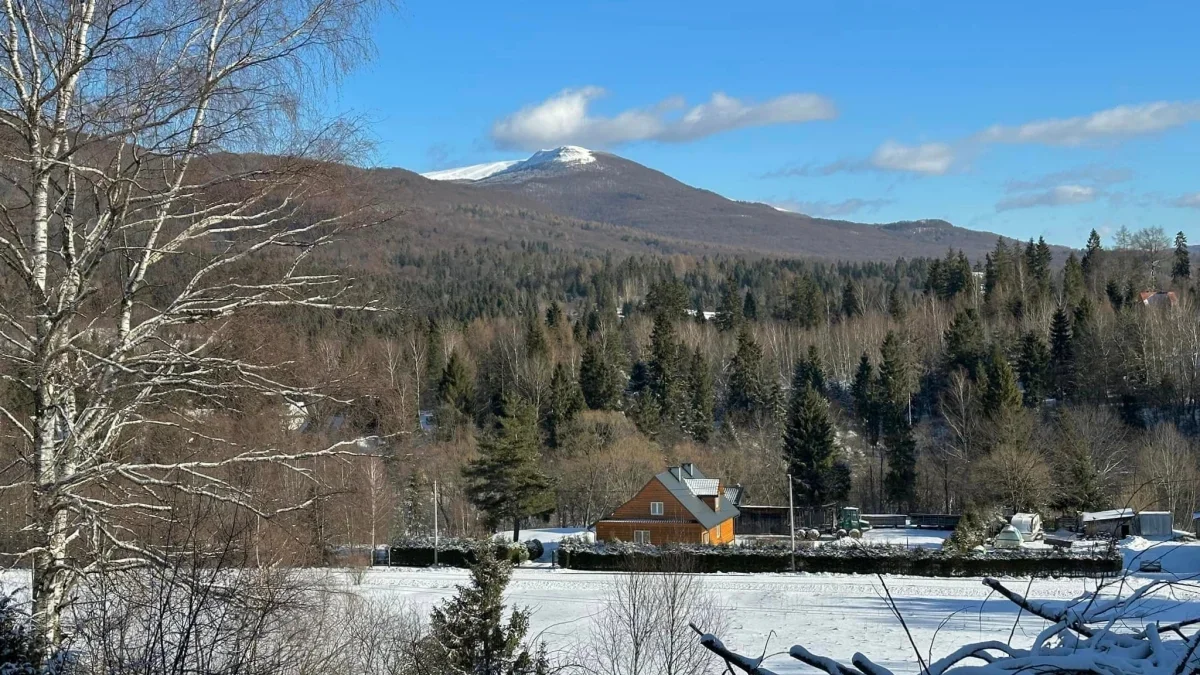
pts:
pixel 747 394
pixel 1181 269
pixel 506 482
pixel 535 336
pixel 1078 482
pixel 563 404
pixel 965 342
pixel 809 446
pixel 435 360
pixel 729 307
pixel 700 392
pixel 668 298
pixel 900 482
pixel 1062 354
pixel 1034 369
pixel 750 307
pixel 468 635
pixel 1116 296
pixel 1001 396
pixel 600 379
pixel 851 305
pixel 935 279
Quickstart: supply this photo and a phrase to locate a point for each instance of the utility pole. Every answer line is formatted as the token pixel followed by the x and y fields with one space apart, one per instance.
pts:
pixel 435 524
pixel 792 517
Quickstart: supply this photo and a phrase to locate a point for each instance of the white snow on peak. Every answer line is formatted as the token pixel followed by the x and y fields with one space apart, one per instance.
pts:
pixel 473 172
pixel 542 160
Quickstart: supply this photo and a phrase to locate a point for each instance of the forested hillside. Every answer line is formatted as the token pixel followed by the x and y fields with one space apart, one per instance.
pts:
pixel 1020 381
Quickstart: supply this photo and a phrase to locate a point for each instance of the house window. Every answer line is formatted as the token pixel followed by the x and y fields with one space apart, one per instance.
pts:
pixel 656 508
pixel 641 536
pixel 704 537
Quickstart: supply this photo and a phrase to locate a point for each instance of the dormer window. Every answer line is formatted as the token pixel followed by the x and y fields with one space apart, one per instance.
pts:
pixel 656 508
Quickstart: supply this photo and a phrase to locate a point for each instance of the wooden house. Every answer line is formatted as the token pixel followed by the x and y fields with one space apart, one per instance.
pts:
pixel 678 506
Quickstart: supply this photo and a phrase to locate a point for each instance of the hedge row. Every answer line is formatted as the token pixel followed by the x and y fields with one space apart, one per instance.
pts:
pixel 848 560
pixel 455 553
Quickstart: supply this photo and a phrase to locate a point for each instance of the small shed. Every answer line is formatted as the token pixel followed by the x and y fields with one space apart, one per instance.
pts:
pixel 1029 525
pixel 1009 537
pixel 1114 523
pixel 1154 524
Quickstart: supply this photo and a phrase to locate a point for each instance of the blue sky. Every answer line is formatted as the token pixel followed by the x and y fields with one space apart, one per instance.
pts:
pixel 1027 119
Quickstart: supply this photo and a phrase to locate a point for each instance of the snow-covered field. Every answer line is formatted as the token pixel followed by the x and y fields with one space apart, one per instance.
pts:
pixel 834 615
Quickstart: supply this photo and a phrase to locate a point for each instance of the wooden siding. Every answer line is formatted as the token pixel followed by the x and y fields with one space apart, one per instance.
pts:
pixel 660 533
pixel 676 525
pixel 639 506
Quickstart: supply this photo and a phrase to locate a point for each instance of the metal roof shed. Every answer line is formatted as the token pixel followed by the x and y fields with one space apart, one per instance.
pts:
pixel 1154 524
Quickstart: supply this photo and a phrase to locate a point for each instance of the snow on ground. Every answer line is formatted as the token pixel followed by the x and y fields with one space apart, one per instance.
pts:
pixel 1175 557
pixel 832 615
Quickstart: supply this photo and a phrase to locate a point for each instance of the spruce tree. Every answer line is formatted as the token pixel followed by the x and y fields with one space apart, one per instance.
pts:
pixel 468 635
pixel 863 391
pixel 895 388
pixel 896 304
pixel 1001 396
pixel 535 336
pixel 456 392
pixel 1091 259
pixel 809 372
pixel 747 394
pixel 665 372
pixel 965 342
pixel 1181 269
pixel 809 446
pixel 1034 369
pixel 668 298
pixel 729 307
pixel 700 394
pixel 599 378
pixel 1062 354
pixel 506 481
pixel 851 304
pixel 435 360
pixel 750 307
pixel 900 482
pixel 806 304
pixel 563 404
pixel 554 315
pixel 1074 282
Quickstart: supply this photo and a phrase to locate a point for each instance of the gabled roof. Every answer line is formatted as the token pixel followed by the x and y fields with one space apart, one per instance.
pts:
pixel 1113 514
pixel 678 487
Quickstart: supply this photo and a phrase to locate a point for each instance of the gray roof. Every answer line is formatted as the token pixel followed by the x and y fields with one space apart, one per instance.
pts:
pixel 699 510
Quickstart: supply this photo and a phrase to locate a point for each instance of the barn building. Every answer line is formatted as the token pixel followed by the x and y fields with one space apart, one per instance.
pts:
pixel 678 506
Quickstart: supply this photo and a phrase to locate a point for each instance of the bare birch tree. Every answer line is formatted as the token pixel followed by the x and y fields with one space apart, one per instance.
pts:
pixel 137 235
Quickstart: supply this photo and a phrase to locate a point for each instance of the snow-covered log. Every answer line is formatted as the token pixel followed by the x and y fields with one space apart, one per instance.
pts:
pixel 1095 633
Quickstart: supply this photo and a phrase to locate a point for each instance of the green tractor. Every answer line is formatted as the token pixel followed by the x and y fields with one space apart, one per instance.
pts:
pixel 850 519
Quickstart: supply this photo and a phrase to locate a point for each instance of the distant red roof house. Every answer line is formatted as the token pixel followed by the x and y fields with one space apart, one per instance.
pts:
pixel 1159 298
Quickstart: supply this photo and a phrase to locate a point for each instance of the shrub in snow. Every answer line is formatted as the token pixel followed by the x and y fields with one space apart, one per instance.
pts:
pixel 535 549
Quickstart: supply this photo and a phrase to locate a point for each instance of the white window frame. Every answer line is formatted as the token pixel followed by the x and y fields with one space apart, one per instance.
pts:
pixel 656 508
pixel 641 536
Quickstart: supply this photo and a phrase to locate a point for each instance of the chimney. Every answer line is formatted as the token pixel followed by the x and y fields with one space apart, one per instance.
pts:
pixel 674 472
pixel 687 468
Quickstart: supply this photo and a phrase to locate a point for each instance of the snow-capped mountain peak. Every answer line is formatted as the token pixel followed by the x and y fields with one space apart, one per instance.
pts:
pixel 541 161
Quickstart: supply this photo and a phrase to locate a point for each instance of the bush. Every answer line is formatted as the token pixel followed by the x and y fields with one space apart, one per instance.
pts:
pixel 535 548
pixel 845 560
pixel 451 552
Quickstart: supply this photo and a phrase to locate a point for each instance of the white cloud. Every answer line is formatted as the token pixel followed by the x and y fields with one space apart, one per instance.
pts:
pixel 564 119
pixel 1114 123
pixel 1061 195
pixel 930 158
pixel 832 209
pixel 1191 201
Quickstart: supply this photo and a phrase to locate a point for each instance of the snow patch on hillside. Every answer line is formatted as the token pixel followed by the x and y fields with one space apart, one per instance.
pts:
pixel 540 163
pixel 473 172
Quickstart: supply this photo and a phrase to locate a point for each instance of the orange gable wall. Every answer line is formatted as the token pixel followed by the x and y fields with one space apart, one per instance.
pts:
pixel 678 524
pixel 654 491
